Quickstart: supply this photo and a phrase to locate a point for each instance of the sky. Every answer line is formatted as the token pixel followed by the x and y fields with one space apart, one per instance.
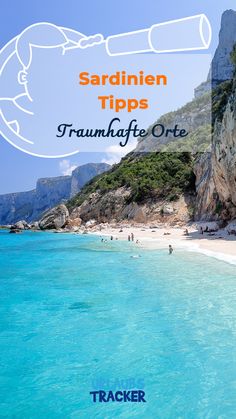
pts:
pixel 20 171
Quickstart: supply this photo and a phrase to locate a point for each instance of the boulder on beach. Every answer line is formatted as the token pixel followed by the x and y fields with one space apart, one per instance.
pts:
pixel 55 218
pixel 231 227
pixel 167 209
pixel 134 212
pixel 90 223
pixel 208 227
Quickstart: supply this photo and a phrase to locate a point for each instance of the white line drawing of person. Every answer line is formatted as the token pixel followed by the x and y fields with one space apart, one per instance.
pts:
pixel 44 35
pixel 16 99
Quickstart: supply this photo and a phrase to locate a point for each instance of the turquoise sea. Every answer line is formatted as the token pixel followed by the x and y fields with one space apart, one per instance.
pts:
pixel 78 315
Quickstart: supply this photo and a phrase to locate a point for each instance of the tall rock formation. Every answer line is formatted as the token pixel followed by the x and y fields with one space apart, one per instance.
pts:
pixel 216 171
pixel 16 206
pixel 83 174
pixel 49 192
pixel 221 68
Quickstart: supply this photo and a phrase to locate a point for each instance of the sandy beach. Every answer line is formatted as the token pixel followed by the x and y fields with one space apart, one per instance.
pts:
pixel 219 245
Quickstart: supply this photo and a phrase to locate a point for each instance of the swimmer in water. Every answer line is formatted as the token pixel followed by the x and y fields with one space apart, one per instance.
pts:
pixel 170 249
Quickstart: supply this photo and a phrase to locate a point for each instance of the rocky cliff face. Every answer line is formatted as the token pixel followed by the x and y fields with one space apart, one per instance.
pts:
pixel 55 218
pixel 216 171
pixel 16 206
pixel 143 187
pixel 192 117
pixel 83 174
pixel 221 68
pixel 113 207
pixel 49 192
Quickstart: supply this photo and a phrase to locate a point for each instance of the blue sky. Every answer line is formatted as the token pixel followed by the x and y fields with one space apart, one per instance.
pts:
pixel 19 171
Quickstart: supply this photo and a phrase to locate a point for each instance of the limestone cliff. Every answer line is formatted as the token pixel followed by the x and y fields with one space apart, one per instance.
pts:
pixel 115 206
pixel 49 192
pixel 55 218
pixel 83 174
pixel 221 67
pixel 216 171
pixel 16 206
pixel 142 187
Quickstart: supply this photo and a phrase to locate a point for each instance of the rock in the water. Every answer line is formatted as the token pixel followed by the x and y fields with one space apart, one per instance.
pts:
pixel 20 225
pixel 55 218
pixel 15 230
pixel 34 226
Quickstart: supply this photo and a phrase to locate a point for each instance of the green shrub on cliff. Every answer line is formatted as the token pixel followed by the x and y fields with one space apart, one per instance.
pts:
pixel 233 56
pixel 147 175
pixel 220 97
pixel 197 141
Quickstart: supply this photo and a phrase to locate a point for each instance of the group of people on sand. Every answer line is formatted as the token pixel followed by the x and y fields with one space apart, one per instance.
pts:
pixel 131 238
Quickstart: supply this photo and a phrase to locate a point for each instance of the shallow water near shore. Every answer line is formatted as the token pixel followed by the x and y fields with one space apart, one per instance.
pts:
pixel 79 315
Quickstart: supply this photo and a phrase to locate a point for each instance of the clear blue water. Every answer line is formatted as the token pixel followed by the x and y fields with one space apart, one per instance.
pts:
pixel 77 314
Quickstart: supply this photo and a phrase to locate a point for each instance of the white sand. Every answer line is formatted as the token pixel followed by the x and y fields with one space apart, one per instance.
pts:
pixel 220 245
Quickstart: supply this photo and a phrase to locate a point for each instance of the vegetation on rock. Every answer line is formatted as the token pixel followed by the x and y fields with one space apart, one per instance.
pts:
pixel 146 175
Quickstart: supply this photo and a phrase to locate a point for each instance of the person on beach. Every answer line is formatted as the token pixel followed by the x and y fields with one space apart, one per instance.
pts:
pixel 128 238
pixel 111 237
pixel 132 237
pixel 170 249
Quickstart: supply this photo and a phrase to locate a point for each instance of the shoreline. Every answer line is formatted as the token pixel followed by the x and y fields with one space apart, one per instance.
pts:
pixel 218 245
